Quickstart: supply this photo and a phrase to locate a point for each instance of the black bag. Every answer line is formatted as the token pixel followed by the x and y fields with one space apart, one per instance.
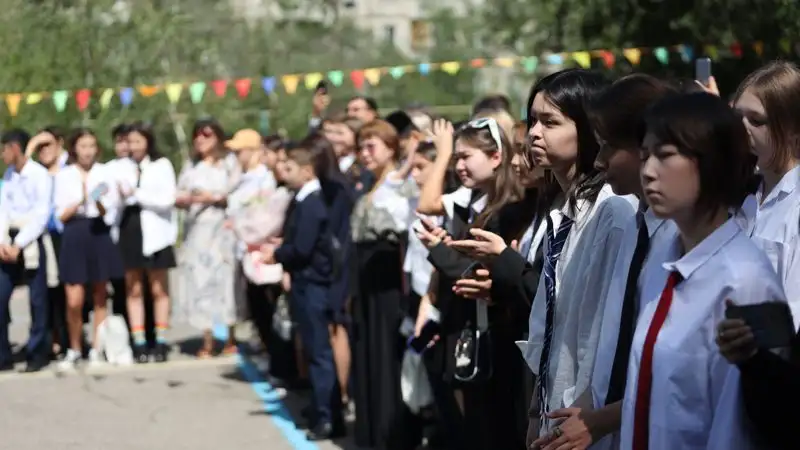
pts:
pixel 473 353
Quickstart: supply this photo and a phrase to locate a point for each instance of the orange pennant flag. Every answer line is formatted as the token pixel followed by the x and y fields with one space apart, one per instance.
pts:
pixel 758 47
pixel 373 76
pixel 634 55
pixel 12 102
pixel 290 83
pixel 584 59
pixel 147 90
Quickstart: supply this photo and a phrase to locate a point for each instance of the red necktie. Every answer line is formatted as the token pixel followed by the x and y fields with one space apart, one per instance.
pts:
pixel 641 418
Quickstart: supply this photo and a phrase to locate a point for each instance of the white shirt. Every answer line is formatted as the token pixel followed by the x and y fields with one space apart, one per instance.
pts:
pixel 462 197
pixel 70 191
pixel 416 263
pixel 25 202
pixel 156 196
pixel 308 188
pixel 251 185
pixel 661 232
pixel 696 394
pixel 775 228
pixel 583 276
pixel 345 162
pixel 389 197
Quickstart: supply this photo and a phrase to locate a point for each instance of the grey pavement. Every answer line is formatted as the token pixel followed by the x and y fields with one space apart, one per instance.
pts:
pixel 183 404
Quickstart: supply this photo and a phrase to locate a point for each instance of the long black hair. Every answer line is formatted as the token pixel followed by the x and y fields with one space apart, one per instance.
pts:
pixel 571 91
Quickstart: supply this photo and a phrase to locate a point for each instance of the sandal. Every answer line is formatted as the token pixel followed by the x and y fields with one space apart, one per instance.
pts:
pixel 204 354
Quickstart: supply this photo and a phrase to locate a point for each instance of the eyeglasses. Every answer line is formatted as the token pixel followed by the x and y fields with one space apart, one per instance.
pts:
pixel 491 124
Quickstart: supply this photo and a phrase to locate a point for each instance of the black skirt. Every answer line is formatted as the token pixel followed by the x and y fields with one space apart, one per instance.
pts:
pixel 87 253
pixel 131 242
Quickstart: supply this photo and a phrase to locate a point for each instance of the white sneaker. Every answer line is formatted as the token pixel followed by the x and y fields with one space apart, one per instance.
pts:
pixel 70 360
pixel 96 358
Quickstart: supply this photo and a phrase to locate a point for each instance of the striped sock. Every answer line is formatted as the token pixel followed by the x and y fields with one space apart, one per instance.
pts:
pixel 138 335
pixel 161 333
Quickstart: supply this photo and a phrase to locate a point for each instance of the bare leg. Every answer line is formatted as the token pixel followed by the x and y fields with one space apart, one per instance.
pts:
pixel 133 286
pixel 340 344
pixel 75 294
pixel 100 300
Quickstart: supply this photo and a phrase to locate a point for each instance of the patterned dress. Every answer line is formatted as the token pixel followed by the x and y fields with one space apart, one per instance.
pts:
pixel 207 261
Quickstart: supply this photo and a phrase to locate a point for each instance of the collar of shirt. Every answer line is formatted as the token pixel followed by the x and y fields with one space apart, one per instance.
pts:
pixel 785 186
pixel 144 162
pixel 309 188
pixel 62 158
pixel 258 172
pixel 346 162
pixel 696 257
pixel 653 223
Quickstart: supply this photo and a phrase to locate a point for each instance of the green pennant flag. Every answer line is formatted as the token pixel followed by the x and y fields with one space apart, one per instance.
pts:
pixel 336 77
pixel 397 72
pixel 196 91
pixel 662 55
pixel 60 100
pixel 530 64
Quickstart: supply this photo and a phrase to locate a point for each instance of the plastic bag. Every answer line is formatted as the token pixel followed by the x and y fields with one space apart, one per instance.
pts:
pixel 414 383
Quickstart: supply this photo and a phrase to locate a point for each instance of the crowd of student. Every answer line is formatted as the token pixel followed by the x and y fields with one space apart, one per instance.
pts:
pixel 620 270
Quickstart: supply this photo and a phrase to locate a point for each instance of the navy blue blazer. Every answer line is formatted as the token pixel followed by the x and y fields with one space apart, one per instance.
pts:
pixel 306 249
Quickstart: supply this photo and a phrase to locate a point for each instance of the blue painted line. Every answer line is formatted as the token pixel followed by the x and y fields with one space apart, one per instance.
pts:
pixel 273 406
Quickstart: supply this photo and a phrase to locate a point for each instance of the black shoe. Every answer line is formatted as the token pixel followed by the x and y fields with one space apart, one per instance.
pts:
pixel 36 365
pixel 6 366
pixel 140 354
pixel 325 431
pixel 161 353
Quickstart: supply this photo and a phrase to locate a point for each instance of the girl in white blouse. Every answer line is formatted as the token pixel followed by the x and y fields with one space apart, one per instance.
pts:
pixel 148 231
pixel 768 101
pixel 86 204
pixel 681 393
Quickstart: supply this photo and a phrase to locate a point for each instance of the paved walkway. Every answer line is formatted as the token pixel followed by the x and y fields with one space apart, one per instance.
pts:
pixel 183 404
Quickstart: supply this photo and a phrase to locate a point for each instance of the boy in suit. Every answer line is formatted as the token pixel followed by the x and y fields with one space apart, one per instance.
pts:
pixel 306 253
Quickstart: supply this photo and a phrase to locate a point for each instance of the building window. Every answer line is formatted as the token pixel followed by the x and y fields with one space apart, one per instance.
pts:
pixel 388 33
pixel 420 34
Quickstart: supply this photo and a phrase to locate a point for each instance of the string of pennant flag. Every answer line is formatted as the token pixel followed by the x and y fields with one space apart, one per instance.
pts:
pixel 360 77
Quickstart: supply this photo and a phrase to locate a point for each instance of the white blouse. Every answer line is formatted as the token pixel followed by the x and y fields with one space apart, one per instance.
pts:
pixel 155 194
pixel 583 276
pixel 774 226
pixel 69 191
pixel 696 394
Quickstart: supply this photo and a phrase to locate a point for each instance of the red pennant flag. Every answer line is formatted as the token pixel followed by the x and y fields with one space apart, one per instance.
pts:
pixel 736 49
pixel 608 58
pixel 357 77
pixel 477 63
pixel 219 87
pixel 82 98
pixel 242 86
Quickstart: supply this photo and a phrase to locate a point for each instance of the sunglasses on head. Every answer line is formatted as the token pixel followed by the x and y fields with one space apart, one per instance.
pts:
pixel 491 124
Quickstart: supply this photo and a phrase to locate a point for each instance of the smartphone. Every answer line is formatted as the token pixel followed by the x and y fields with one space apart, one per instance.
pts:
pixel 322 88
pixel 702 70
pixel 98 192
pixel 420 343
pixel 771 322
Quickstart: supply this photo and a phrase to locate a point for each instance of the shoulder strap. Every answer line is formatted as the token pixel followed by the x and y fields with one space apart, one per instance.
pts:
pixel 481 315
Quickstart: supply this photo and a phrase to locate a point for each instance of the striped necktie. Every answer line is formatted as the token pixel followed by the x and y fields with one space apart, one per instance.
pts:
pixel 555 244
pixel 627 323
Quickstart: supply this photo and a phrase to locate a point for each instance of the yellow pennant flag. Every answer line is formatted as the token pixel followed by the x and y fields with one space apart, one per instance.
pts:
pixel 712 52
pixel 174 92
pixel 147 90
pixel 373 76
pixel 290 83
pixel 758 47
pixel 12 102
pixel 105 98
pixel 504 62
pixel 33 98
pixel 312 80
pixel 584 59
pixel 451 67
pixel 634 55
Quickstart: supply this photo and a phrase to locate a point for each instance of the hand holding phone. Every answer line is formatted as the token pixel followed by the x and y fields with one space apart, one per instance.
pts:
pixel 771 322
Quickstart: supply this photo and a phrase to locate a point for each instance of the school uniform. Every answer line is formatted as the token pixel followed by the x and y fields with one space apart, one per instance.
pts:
pixel 24 212
pixel 148 227
pixel 581 246
pixel 774 226
pixel 681 392
pixel 306 254
pixel 118 169
pixel 88 254
pixel 642 250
